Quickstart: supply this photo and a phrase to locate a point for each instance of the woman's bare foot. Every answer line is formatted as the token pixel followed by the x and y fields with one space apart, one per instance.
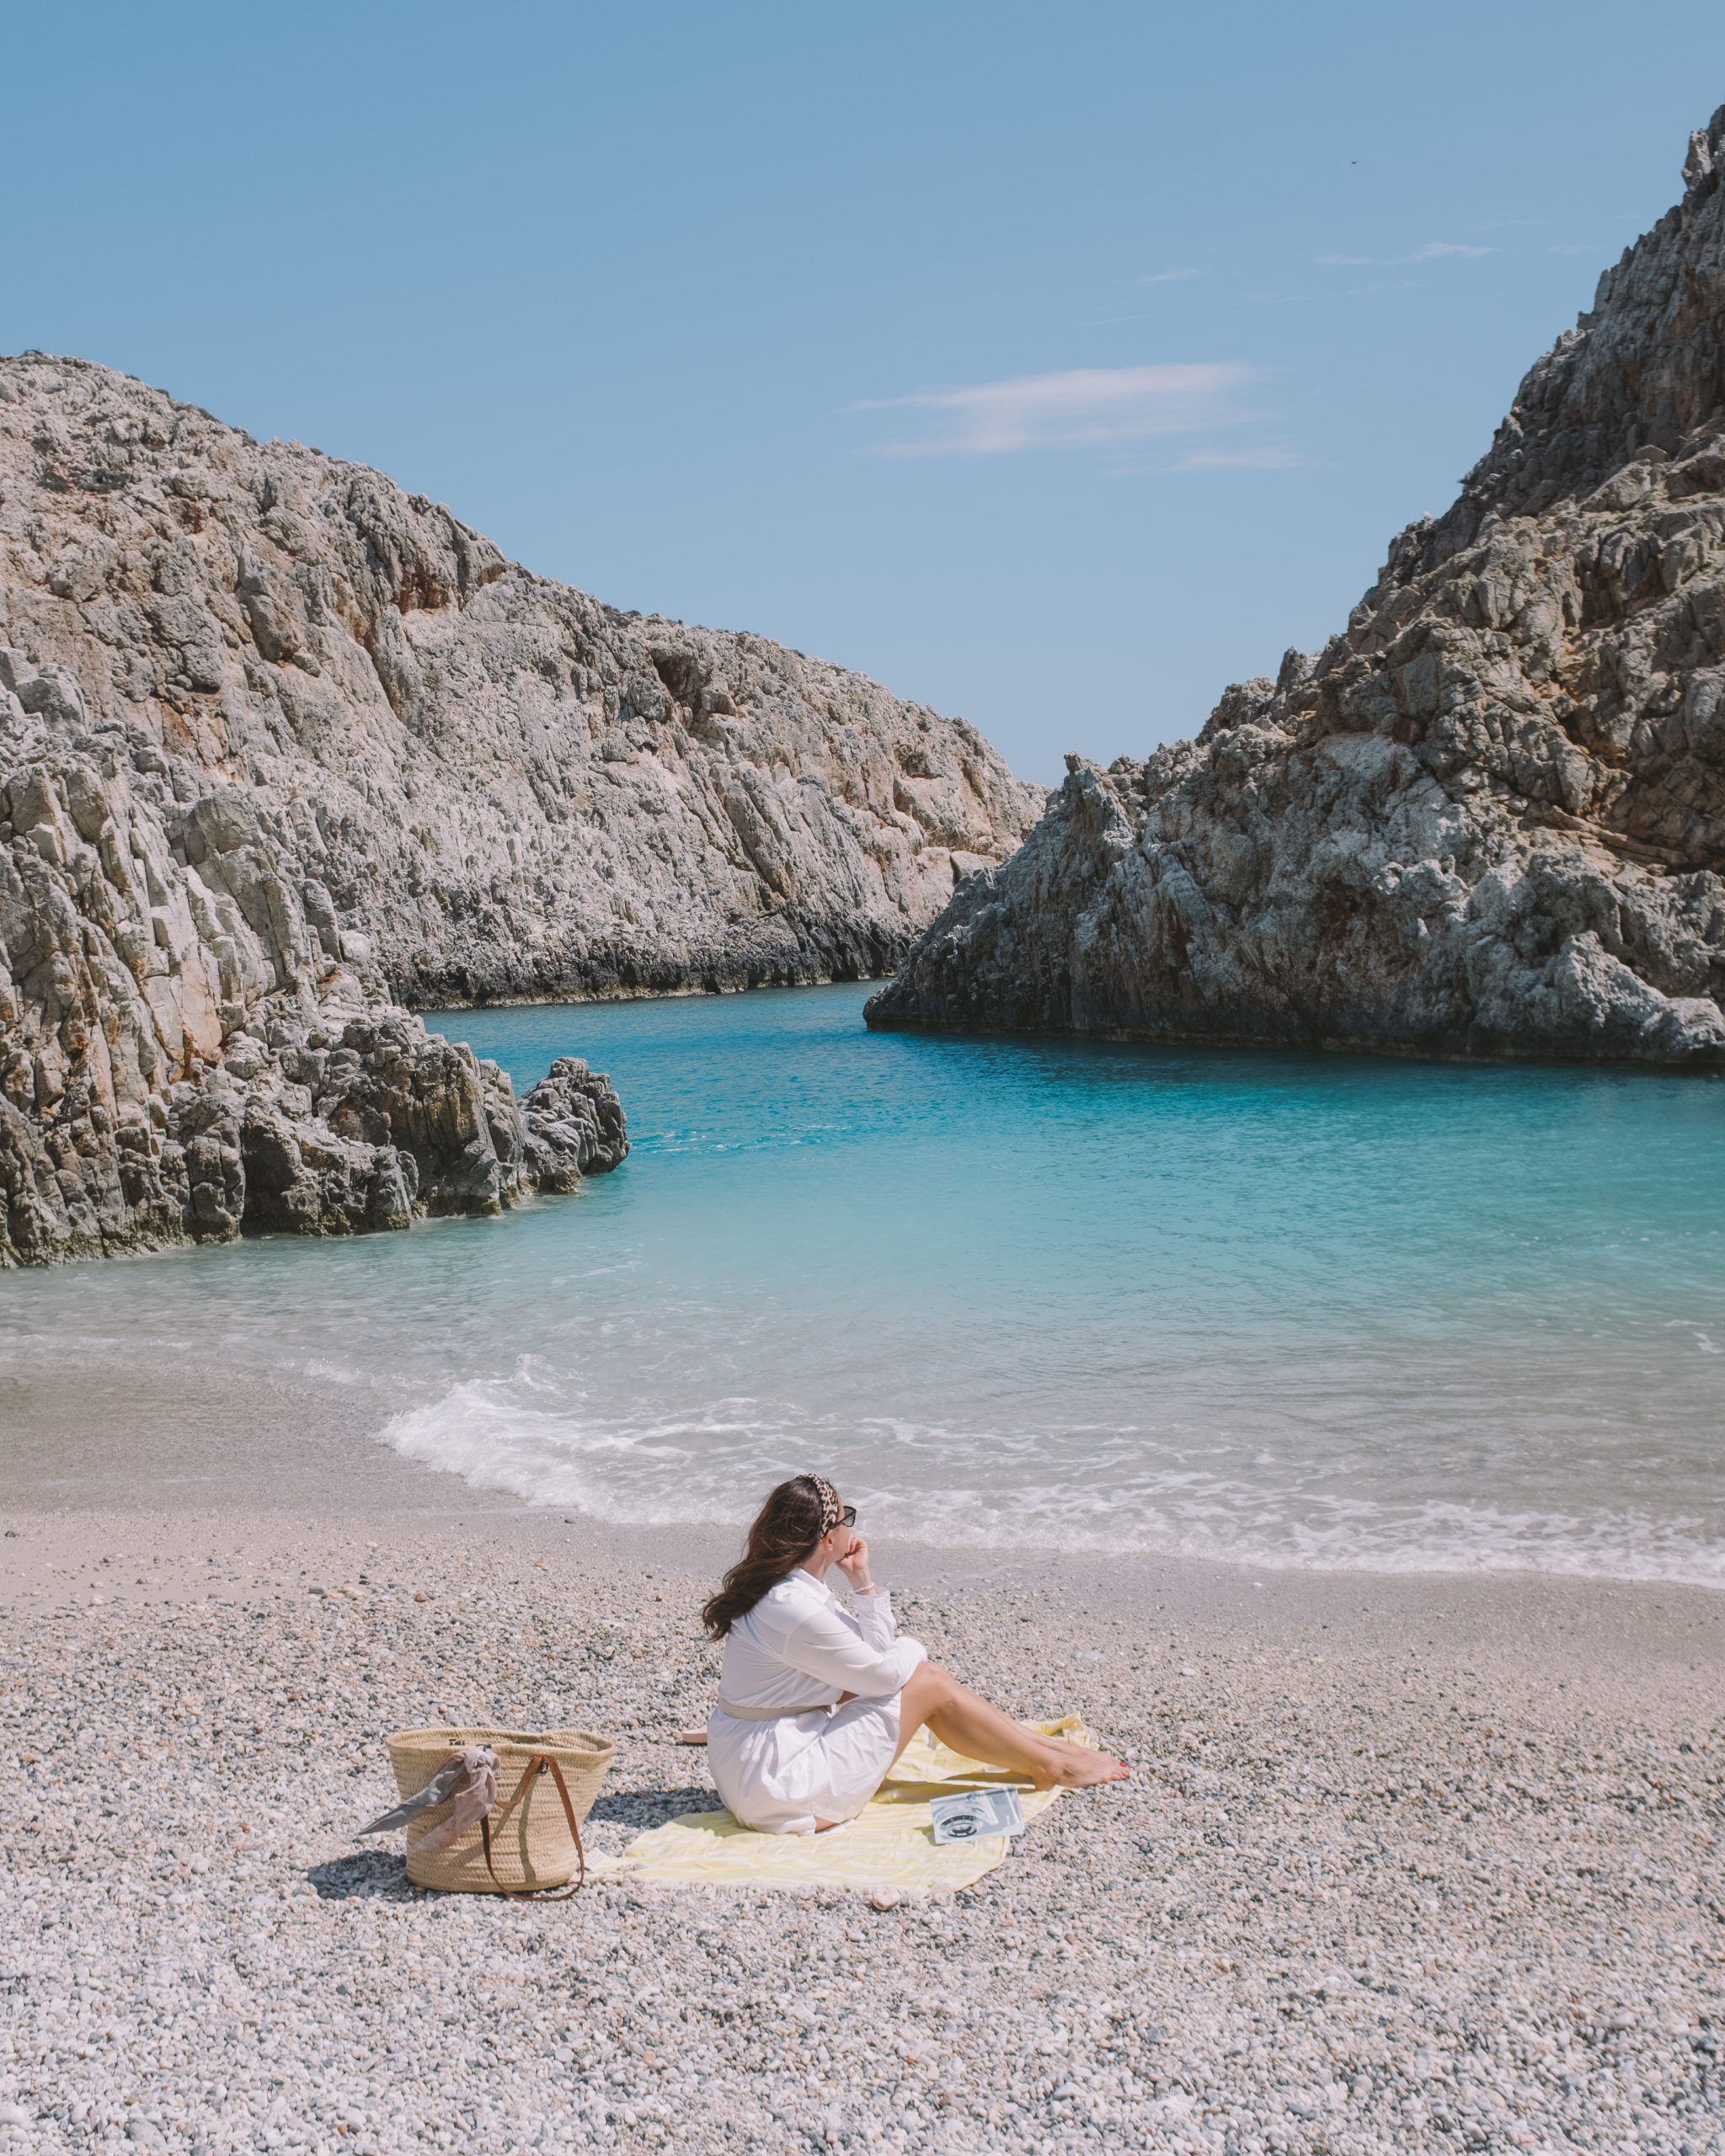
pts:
pixel 1076 1766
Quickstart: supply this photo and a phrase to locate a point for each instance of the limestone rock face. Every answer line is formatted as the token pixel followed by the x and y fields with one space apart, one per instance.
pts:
pixel 280 744
pixel 506 788
pixel 1486 820
pixel 182 1055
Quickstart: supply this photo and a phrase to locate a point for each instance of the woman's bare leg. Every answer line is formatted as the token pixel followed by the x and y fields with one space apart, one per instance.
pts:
pixel 969 1726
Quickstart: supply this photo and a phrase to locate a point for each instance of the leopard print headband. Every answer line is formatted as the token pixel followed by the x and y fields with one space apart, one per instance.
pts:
pixel 832 1512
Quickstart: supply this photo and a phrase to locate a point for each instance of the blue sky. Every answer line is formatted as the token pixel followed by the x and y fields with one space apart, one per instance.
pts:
pixel 1055 364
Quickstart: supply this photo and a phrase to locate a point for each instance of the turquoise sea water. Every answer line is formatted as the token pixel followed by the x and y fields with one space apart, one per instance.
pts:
pixel 1274 1309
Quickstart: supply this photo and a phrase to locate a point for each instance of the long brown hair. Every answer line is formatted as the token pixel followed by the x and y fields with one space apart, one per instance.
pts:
pixel 785 1531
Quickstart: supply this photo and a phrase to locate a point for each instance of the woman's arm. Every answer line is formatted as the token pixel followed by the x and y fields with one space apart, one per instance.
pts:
pixel 874 1618
pixel 823 1646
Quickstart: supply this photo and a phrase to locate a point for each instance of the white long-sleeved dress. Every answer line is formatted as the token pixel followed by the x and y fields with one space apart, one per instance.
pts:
pixel 798 1649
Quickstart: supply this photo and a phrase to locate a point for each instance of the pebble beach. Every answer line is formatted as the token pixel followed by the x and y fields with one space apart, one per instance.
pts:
pixel 1404 1864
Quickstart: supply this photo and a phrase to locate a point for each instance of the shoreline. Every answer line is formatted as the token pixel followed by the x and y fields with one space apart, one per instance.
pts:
pixel 315 1448
pixel 1598 1616
pixel 714 988
pixel 309 1450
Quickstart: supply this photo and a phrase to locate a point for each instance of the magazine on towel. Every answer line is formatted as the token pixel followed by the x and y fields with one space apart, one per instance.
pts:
pixel 976 1813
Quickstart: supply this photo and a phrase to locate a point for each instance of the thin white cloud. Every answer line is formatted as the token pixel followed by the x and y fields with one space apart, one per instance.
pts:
pixel 1168 277
pixel 1071 410
pixel 1435 250
pixel 1240 459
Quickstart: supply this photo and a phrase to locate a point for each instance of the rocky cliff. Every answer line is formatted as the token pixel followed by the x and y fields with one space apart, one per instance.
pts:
pixel 188 1046
pixel 280 744
pixel 1486 820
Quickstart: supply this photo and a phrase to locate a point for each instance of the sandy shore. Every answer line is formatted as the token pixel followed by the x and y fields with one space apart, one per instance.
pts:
pixel 1405 1863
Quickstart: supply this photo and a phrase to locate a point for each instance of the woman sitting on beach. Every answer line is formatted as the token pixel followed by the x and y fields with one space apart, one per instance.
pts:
pixel 816 1704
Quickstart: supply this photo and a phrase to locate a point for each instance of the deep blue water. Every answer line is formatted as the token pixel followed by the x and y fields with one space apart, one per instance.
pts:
pixel 1281 1308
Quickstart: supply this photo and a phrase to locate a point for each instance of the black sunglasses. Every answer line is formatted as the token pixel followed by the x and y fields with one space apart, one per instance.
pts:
pixel 847 1518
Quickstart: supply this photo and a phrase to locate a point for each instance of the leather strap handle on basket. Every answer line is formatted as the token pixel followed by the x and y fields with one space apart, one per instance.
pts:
pixel 540 1763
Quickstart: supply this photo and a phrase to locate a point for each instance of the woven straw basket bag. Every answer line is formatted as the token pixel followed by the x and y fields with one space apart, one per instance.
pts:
pixel 532 1839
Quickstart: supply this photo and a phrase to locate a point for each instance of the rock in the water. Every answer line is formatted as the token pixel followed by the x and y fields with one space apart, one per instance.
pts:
pixel 279 742
pixel 1489 820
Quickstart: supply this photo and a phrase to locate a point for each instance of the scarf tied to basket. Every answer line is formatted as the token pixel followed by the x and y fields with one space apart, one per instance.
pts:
pixel 470 1777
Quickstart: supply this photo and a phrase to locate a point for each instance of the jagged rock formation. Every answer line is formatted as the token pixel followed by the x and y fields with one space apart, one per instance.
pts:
pixel 181 1052
pixel 1489 820
pixel 508 789
pixel 278 741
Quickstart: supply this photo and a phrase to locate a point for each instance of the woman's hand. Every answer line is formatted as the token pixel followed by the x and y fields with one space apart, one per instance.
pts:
pixel 854 1564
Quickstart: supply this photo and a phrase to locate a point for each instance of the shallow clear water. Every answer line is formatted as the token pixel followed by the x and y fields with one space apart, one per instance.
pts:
pixel 1282 1309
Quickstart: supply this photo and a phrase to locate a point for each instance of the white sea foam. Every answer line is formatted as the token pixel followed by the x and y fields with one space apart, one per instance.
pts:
pixel 714 1467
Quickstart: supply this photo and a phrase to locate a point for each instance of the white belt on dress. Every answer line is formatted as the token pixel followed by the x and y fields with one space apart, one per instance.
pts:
pixel 773 1714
